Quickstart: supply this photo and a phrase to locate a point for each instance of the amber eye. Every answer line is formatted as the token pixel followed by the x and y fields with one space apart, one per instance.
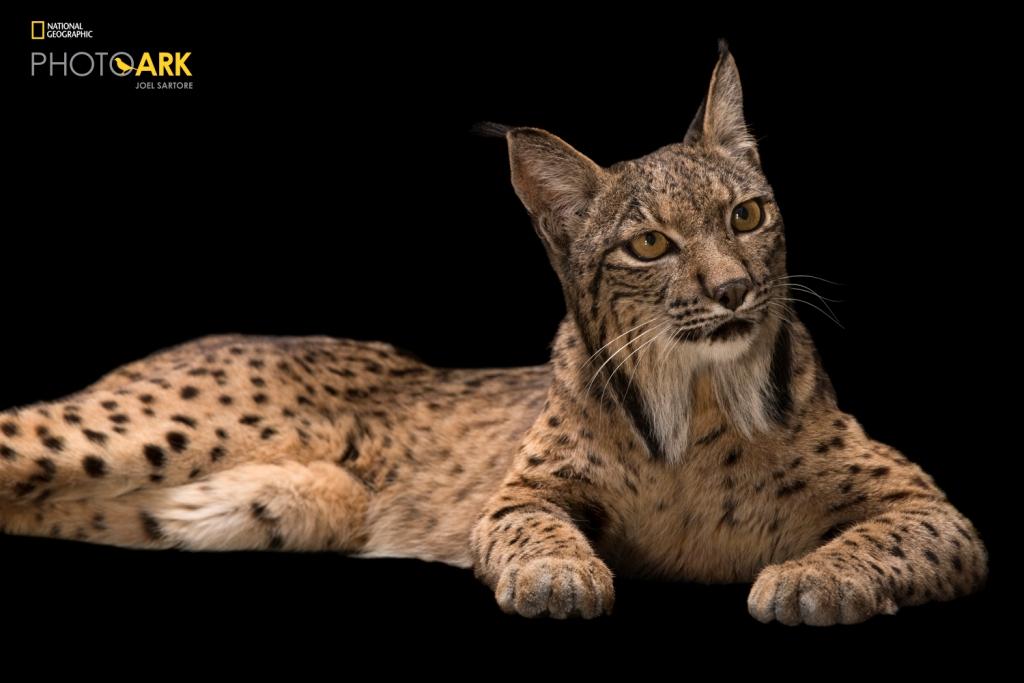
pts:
pixel 649 245
pixel 747 216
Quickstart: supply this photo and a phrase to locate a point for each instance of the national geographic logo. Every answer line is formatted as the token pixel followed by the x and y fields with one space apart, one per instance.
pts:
pixel 150 70
pixel 41 30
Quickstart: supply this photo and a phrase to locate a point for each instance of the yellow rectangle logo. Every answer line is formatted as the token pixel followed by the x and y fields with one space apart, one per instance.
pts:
pixel 38 30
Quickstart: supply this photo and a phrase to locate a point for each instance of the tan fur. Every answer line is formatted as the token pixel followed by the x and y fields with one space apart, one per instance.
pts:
pixel 653 443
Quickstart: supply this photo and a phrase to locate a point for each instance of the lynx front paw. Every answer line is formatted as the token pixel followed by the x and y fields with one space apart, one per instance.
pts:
pixel 812 593
pixel 556 587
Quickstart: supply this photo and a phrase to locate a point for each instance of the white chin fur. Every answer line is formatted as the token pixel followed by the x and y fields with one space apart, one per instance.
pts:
pixel 739 370
pixel 723 351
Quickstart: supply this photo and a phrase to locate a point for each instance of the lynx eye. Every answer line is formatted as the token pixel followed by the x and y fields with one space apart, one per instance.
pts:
pixel 648 246
pixel 747 216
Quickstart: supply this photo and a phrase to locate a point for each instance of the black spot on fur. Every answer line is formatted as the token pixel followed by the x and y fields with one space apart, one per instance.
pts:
pixel 95 437
pixel 267 432
pixel 189 392
pixel 54 443
pixel 48 469
pixel 154 454
pixel 259 398
pixel 733 456
pixel 856 500
pixel 225 400
pixel 23 488
pixel 150 526
pixel 879 471
pixel 177 441
pixel 728 513
pixel 94 466
pixel 185 420
pixel 351 453
pixel 120 418
pixel 217 452
pixel 9 429
pixel 109 405
pixel 8 452
pixel 509 509
pixel 791 488
pixel 250 419
pixel 570 472
pixel 711 436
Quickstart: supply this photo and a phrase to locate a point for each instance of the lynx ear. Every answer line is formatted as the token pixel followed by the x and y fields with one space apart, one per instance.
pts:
pixel 719 120
pixel 554 181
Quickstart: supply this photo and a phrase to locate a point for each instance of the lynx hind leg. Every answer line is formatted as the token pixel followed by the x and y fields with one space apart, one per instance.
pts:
pixel 283 506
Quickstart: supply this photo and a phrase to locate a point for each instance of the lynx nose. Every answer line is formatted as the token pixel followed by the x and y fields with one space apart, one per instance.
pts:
pixel 732 293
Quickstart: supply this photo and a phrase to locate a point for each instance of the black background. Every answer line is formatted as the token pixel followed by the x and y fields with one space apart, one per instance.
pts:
pixel 321 179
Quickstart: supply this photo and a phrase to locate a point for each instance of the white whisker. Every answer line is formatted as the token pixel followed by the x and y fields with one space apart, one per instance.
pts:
pixel 609 359
pixel 642 346
pixel 593 355
pixel 814 306
pixel 812 277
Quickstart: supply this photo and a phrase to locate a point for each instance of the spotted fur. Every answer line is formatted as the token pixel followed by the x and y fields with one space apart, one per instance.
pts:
pixel 671 435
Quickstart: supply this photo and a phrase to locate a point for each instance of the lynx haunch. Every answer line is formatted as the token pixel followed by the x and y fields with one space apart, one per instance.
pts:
pixel 683 429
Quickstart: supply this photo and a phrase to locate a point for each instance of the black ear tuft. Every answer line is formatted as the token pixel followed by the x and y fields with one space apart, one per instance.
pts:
pixel 489 129
pixel 723 47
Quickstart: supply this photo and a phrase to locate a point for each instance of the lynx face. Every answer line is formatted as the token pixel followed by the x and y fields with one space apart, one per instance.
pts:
pixel 687 243
pixel 673 265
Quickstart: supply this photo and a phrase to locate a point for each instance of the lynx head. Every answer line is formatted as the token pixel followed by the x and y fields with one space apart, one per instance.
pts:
pixel 674 260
